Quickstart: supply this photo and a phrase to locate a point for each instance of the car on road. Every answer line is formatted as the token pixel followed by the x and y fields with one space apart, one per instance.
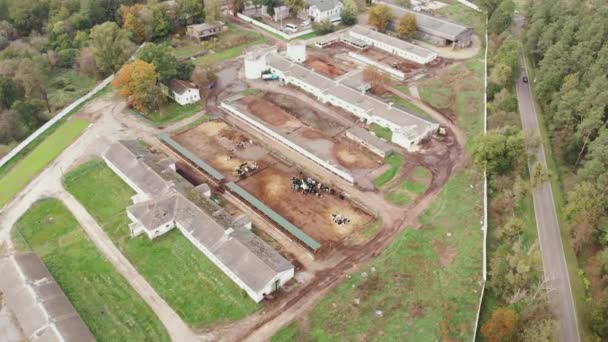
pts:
pixel 525 79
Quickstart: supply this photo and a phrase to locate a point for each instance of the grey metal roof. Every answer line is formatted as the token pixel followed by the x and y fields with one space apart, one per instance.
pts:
pixel 370 139
pixel 206 26
pixel 40 306
pixel 395 42
pixel 246 255
pixel 132 160
pixel 276 217
pixel 370 104
pixel 324 5
pixel 432 25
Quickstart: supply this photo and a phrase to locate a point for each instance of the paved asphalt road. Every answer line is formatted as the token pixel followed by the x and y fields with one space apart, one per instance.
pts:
pixel 554 260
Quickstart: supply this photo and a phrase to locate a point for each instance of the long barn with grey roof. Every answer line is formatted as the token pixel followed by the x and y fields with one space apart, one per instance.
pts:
pixel 439 31
pixel 245 258
pixel 408 129
pixel 42 309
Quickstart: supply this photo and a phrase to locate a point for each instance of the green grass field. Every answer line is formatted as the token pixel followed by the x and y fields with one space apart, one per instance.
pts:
pixel 112 310
pixel 28 167
pixel 407 105
pixel 173 112
pixel 381 132
pixel 403 191
pixel 396 161
pixel 194 287
pixel 426 284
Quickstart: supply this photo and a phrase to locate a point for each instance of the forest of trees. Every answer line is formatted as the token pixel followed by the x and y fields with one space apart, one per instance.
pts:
pixel 43 38
pixel 568 42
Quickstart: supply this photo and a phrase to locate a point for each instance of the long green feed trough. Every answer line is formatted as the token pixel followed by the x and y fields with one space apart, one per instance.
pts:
pixel 273 215
pixel 190 156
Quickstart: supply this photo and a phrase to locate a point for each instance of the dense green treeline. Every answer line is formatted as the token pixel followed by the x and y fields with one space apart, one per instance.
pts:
pixel 568 42
pixel 53 51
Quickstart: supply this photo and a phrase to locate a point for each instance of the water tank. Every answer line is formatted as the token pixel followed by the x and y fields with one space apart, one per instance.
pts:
pixel 296 51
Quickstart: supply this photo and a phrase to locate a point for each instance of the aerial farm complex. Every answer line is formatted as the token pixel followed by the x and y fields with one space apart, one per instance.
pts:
pixel 300 161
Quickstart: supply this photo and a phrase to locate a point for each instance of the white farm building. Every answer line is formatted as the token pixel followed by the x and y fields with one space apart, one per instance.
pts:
pixel 393 45
pixel 183 92
pixel 320 10
pixel 166 201
pixel 408 129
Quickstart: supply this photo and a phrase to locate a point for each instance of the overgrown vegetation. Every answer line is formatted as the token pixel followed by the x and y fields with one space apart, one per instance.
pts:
pixel 111 309
pixel 515 306
pixel 198 291
pixel 568 43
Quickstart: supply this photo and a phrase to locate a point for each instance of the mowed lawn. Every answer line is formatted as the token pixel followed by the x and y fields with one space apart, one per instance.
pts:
pixel 425 287
pixel 194 287
pixel 111 309
pixel 22 173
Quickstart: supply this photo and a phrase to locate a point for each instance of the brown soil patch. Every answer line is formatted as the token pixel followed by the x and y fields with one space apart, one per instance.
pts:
pixel 310 213
pixel 313 134
pixel 446 253
pixel 216 143
pixel 353 156
pixel 267 111
pixel 325 67
pixel 417 310
pixel 211 128
pixel 305 113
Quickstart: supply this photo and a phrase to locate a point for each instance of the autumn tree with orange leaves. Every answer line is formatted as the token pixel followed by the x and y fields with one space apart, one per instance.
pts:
pixel 502 326
pixel 138 82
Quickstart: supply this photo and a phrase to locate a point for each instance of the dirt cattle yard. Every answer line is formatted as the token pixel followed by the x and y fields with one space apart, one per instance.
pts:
pixel 313 214
pixel 223 147
pixel 226 148
pixel 324 137
pixel 324 66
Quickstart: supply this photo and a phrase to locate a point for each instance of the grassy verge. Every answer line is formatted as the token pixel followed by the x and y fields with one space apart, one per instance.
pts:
pixel 424 287
pixel 173 112
pixel 396 161
pixel 195 123
pixel 32 145
pixel 105 301
pixel 194 287
pixel 27 168
pixel 381 132
pixel 407 105
pixel 228 54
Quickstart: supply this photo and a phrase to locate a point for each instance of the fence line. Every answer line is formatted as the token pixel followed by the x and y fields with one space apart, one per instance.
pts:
pixel 272 29
pixel 54 120
pixel 485 188
pixel 470 4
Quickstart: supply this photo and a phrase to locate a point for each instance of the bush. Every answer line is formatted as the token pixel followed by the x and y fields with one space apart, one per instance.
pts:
pixel 66 57
pixel 323 27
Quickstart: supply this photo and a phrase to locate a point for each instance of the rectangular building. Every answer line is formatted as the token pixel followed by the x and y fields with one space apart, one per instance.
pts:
pixel 245 258
pixel 40 306
pixel 439 31
pixel 392 45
